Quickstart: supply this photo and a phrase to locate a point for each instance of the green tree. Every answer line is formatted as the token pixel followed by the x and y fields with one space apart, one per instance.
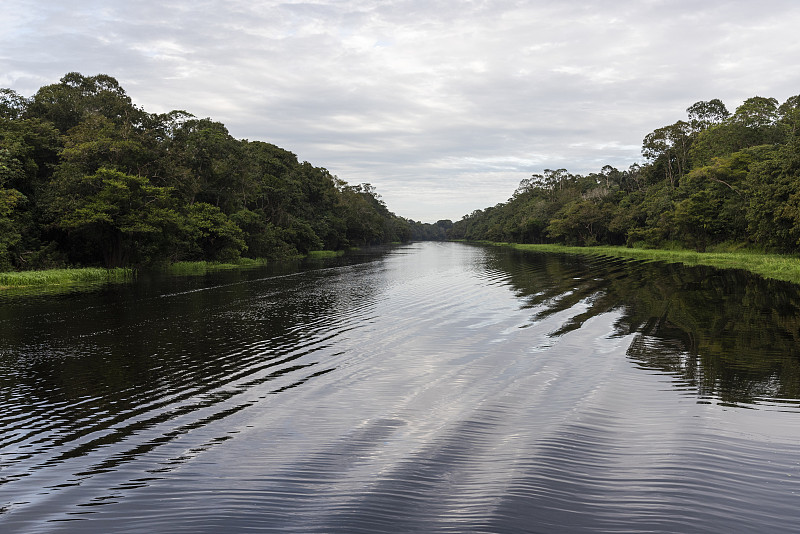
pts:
pixel 753 123
pixel 773 209
pixel 10 234
pixel 580 222
pixel 695 218
pixel 12 104
pixel 124 217
pixel 668 147
pixel 714 200
pixel 704 114
pixel 757 114
pixel 789 118
pixel 652 215
pixel 98 142
pixel 29 150
pixel 77 97
pixel 90 178
pixel 210 234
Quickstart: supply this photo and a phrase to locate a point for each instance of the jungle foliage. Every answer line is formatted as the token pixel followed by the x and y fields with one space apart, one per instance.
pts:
pixel 430 232
pixel 714 179
pixel 88 178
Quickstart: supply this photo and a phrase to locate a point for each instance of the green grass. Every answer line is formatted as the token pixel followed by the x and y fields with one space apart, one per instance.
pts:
pixel 318 254
pixel 774 266
pixel 63 277
pixel 58 279
pixel 189 268
pixel 203 267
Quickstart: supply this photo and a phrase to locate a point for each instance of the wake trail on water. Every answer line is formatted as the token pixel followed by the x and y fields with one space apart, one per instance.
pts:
pixel 444 388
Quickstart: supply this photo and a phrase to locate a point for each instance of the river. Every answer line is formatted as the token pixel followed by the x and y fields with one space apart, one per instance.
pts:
pixel 431 387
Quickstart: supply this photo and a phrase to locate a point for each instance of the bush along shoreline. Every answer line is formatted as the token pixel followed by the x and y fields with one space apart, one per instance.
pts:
pixel 64 277
pixel 88 178
pixel 714 180
pixel 771 266
pixel 98 275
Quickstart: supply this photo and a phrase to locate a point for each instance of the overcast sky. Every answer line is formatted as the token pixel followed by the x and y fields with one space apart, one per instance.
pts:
pixel 444 106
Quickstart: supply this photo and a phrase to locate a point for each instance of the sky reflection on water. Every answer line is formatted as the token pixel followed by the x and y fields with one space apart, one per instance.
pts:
pixel 430 388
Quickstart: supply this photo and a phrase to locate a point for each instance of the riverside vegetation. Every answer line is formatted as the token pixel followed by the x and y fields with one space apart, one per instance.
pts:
pixel 88 179
pixel 772 266
pixel 716 181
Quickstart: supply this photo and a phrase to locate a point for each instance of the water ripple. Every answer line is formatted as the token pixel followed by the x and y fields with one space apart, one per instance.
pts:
pixel 440 388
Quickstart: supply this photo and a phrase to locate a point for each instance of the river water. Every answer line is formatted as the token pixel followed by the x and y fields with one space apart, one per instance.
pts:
pixel 433 387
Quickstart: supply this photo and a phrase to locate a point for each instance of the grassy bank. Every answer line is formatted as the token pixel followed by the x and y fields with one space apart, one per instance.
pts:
pixel 63 277
pixel 774 266
pixel 321 254
pixel 203 267
pixel 67 278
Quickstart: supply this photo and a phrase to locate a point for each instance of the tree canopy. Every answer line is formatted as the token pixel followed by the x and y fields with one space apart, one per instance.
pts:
pixel 89 178
pixel 714 178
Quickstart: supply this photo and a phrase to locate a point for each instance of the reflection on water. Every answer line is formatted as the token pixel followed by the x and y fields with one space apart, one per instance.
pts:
pixel 727 336
pixel 428 388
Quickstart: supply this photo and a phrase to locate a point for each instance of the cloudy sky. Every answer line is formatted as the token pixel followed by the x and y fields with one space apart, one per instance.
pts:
pixel 444 106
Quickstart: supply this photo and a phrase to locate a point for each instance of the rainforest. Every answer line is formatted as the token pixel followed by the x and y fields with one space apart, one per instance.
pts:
pixel 87 178
pixel 714 181
pixel 425 386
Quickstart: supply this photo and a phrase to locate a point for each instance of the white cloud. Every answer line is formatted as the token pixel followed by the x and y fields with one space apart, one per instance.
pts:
pixel 444 106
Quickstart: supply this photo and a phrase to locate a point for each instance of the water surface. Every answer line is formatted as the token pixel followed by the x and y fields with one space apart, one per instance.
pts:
pixel 428 388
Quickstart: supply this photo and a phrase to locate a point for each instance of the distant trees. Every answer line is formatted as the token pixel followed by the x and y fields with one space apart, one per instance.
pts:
pixel 713 178
pixel 430 232
pixel 704 114
pixel 88 178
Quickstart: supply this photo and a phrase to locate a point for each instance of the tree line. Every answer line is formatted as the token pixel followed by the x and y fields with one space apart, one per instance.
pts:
pixel 89 178
pixel 714 178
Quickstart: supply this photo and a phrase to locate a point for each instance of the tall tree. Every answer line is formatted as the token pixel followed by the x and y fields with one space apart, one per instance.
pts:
pixel 124 218
pixel 704 114
pixel 669 147
pixel 789 117
pixel 12 104
pixel 10 234
pixel 76 97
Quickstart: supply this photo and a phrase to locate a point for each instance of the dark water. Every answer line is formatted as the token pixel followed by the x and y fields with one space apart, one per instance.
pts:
pixel 431 388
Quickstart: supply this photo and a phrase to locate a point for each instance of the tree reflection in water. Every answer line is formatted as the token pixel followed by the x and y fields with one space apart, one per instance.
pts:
pixel 725 335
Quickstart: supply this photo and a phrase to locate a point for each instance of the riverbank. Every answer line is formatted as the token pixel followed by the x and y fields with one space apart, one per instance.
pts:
pixel 202 267
pixel 63 277
pixel 69 277
pixel 772 266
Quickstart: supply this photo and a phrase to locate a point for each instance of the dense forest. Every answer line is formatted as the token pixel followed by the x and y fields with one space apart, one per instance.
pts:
pixel 714 179
pixel 89 178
